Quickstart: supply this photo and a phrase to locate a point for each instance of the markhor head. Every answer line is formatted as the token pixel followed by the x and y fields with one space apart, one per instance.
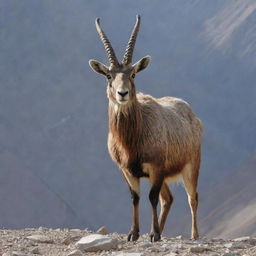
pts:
pixel 120 75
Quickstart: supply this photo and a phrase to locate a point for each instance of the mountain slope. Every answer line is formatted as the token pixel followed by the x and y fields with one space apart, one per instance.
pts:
pixel 232 204
pixel 27 201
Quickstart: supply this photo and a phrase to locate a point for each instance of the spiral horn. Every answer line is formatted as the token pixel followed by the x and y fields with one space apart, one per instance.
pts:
pixel 110 51
pixel 130 46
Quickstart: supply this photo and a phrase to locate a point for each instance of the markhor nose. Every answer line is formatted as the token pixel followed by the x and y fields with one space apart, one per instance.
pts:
pixel 123 93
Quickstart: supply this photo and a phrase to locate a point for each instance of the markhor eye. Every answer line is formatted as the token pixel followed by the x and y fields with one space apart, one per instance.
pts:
pixel 109 77
pixel 133 75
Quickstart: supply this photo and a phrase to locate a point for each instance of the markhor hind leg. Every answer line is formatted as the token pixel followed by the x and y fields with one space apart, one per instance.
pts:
pixel 166 200
pixel 193 203
pixel 190 177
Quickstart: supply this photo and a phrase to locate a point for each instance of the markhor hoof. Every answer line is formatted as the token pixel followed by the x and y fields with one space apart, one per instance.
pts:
pixel 133 236
pixel 154 237
pixel 195 237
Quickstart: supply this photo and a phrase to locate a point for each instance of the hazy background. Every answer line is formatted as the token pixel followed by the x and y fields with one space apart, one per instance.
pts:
pixel 54 166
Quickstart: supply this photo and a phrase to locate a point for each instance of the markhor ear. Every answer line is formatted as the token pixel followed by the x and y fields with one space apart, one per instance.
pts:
pixel 98 67
pixel 141 64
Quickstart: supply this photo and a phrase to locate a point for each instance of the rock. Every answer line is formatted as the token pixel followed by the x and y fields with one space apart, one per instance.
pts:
pixel 96 242
pixel 252 241
pixel 75 230
pixel 231 254
pixel 35 250
pixel 155 249
pixel 173 246
pixel 75 253
pixel 102 230
pixel 216 240
pixel 16 253
pixel 168 246
pixel 40 239
pixel 179 237
pixel 119 246
pixel 241 239
pixel 70 239
pixel 7 254
pixel 145 245
pixel 246 239
pixel 198 249
pixel 30 243
pixel 129 254
pixel 235 245
pixel 228 245
pixel 172 254
pixel 178 246
pixel 42 228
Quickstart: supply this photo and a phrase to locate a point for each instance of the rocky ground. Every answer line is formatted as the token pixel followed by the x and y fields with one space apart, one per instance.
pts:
pixel 76 242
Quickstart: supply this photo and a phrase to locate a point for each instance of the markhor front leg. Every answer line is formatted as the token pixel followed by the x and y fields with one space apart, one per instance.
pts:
pixel 134 233
pixel 156 180
pixel 134 186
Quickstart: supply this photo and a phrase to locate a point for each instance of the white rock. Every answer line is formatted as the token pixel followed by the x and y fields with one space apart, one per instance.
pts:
pixel 96 242
pixel 228 245
pixel 7 254
pixel 119 246
pixel 172 254
pixel 75 253
pixel 102 230
pixel 235 245
pixel 40 239
pixel 241 239
pixel 42 228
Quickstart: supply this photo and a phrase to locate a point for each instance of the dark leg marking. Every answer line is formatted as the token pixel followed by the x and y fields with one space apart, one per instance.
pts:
pixel 135 197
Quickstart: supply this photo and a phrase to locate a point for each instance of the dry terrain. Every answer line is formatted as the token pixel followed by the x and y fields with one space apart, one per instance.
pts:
pixel 44 241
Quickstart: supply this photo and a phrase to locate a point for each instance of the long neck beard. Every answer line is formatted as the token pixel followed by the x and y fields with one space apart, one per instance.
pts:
pixel 125 124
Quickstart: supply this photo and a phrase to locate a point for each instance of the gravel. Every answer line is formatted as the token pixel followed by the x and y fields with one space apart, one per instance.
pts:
pixel 63 242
